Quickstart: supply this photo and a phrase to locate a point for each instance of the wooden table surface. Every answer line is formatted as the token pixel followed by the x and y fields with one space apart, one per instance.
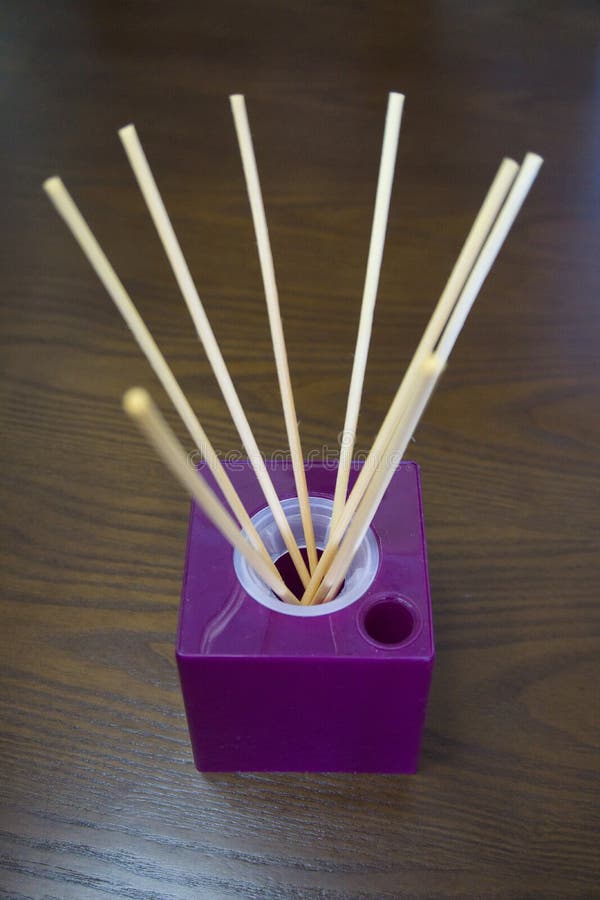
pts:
pixel 99 793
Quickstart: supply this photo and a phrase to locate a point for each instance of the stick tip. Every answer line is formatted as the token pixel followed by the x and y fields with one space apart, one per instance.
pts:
pixel 127 131
pixel 236 100
pixel 534 160
pixel 52 185
pixel 136 402
pixel 509 163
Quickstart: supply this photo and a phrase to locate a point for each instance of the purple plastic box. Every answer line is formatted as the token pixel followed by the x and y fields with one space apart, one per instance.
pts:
pixel 327 691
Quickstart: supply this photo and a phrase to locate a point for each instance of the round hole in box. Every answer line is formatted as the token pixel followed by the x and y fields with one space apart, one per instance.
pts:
pixel 389 621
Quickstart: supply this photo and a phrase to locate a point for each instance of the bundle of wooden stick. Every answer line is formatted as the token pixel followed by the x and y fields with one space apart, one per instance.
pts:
pixel 353 513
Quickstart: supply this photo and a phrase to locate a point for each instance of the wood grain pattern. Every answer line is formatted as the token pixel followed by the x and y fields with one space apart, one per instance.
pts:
pixel 99 792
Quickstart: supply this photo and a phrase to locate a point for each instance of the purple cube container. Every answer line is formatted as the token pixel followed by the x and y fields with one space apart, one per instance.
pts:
pixel 340 687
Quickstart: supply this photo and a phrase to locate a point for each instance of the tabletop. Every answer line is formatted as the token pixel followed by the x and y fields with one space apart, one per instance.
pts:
pixel 99 792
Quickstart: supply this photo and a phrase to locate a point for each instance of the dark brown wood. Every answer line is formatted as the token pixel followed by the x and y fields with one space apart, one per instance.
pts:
pixel 100 796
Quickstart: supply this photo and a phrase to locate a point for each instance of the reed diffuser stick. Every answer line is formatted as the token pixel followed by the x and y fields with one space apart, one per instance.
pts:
pixel 156 207
pixel 378 232
pixel 242 127
pixel 138 404
pixel 68 210
pixel 395 449
pixel 489 231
